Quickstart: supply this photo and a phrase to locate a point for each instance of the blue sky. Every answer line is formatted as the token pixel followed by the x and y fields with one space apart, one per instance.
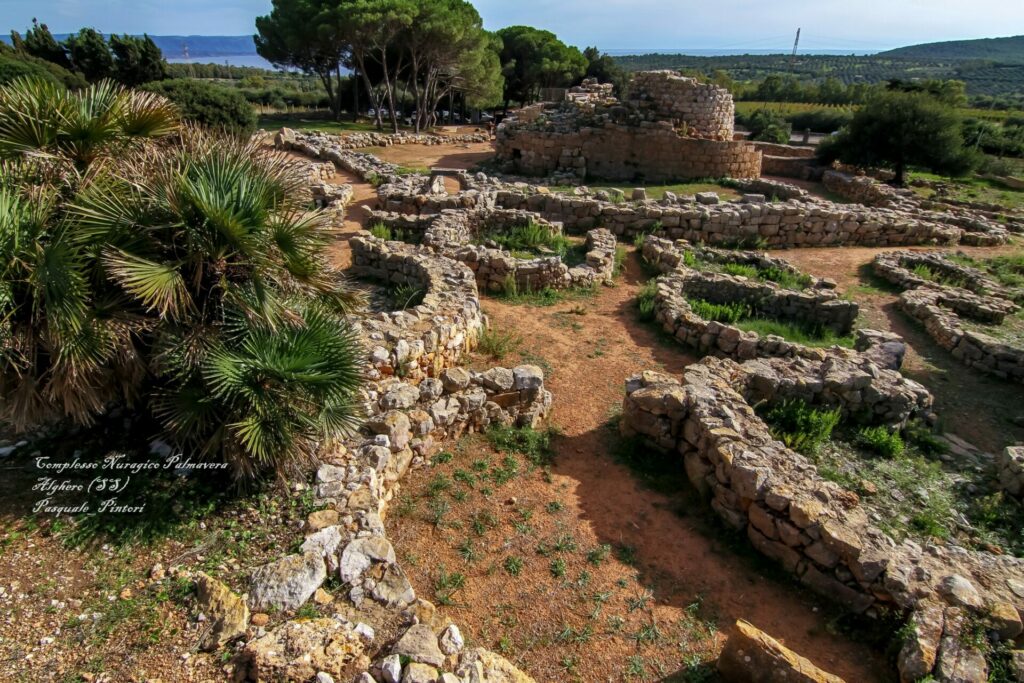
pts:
pixel 857 25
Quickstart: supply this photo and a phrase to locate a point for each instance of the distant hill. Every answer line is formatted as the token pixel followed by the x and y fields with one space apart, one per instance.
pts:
pixel 1010 49
pixel 173 47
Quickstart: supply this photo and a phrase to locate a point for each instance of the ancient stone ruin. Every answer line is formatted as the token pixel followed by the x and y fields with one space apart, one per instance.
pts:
pixel 669 127
pixel 813 528
pixel 817 305
pixel 943 309
pixel 461 235
pixel 824 533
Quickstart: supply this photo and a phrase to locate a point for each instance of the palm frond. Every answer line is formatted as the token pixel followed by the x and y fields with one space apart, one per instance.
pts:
pixel 160 286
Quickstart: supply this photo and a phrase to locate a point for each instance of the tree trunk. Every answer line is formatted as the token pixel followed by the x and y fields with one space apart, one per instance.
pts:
pixel 355 98
pixel 900 172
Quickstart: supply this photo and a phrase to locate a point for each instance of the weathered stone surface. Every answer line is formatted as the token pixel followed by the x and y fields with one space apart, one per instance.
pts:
pixel 287 583
pixel 920 649
pixel 297 651
pixel 752 656
pixel 483 666
pixel 321 519
pixel 419 644
pixel 361 553
pixel 227 615
pixel 419 673
pixel 326 543
pixel 452 641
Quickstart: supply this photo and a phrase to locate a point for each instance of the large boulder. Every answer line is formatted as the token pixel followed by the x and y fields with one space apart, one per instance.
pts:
pixel 300 650
pixel 287 583
pixel 226 614
pixel 752 656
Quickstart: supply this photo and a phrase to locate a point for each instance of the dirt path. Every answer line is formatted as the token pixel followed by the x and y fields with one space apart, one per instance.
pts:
pixel 983 410
pixel 590 356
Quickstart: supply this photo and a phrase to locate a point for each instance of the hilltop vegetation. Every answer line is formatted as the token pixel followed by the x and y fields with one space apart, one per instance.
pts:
pixel 1010 48
pixel 989 82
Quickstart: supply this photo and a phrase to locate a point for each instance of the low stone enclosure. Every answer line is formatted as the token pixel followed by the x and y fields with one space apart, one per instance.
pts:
pixel 417 397
pixel 870 192
pixel 817 306
pixel 942 309
pixel 800 220
pixel 668 128
pixel 457 235
pixel 814 528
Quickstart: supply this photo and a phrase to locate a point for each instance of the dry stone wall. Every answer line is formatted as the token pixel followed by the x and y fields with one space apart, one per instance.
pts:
pixel 818 306
pixel 417 398
pixel 421 341
pixel 706 110
pixel 670 127
pixel 452 233
pixel 941 309
pixel 781 225
pixel 649 153
pixel 979 229
pixel 286 136
pixel 798 222
pixel 815 529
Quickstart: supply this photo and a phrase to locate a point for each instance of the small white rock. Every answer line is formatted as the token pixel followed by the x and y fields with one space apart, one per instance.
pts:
pixel 365 631
pixel 452 641
pixel 391 669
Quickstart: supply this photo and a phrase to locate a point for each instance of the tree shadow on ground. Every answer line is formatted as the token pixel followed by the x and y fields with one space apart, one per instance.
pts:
pixel 638 500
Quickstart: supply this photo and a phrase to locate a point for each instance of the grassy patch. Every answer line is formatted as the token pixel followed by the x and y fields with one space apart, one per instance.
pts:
pixel 314 121
pixel 534 444
pixel 544 296
pixel 497 344
pixel 645 300
pixel 783 278
pixel 531 239
pixel 808 335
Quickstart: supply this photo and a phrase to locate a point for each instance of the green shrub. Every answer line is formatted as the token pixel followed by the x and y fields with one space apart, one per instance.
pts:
pixel 177 271
pixel 15 65
pixel 208 104
pixel 769 126
pixel 407 295
pixel 645 300
pixel 800 426
pixel 723 313
pixel 380 231
pixel 881 440
pixel 498 344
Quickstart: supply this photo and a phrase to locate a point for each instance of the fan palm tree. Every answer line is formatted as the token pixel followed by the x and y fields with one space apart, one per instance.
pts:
pixel 253 358
pixel 66 348
pixel 197 280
